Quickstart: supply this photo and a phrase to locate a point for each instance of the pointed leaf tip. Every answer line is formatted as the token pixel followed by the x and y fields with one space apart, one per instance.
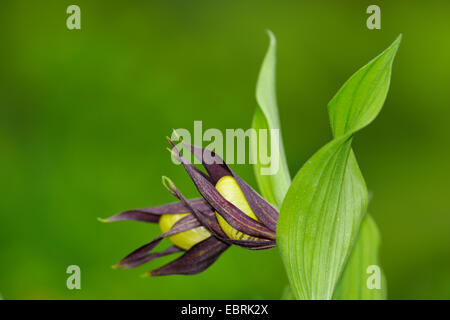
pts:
pixel 273 39
pixel 273 186
pixel 322 212
pixel 395 45
pixel 398 39
pixel 360 99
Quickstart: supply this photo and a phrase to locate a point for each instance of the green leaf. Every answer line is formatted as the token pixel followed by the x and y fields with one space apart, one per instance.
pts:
pixel 353 284
pixel 272 186
pixel 323 208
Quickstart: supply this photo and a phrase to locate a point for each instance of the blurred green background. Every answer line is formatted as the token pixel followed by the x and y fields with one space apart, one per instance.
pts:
pixel 85 113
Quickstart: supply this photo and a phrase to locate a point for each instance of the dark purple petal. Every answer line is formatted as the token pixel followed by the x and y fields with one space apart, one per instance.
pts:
pixel 235 217
pixel 153 214
pixel 186 223
pixel 213 226
pixel 213 163
pixel 195 260
pixel 207 177
pixel 138 254
pixel 206 217
pixel 217 168
pixel 253 244
pixel 263 210
pixel 146 258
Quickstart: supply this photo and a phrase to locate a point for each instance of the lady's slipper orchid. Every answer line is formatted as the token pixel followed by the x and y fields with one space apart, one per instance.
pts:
pixel 230 212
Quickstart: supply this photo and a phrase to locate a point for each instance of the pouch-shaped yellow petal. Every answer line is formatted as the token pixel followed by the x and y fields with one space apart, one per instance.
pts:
pixel 230 190
pixel 186 239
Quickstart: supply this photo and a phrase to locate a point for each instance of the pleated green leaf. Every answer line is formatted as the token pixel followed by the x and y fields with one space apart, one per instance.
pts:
pixel 273 185
pixel 324 206
pixel 363 278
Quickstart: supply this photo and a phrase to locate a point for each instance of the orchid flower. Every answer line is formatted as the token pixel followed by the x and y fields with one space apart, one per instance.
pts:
pixel 229 212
